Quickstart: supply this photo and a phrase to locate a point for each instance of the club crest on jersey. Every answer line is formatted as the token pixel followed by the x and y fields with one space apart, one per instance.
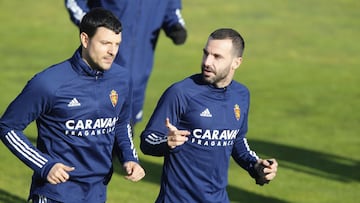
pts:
pixel 237 111
pixel 114 97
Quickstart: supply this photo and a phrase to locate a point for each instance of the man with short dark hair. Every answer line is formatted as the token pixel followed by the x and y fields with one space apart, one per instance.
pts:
pixel 82 108
pixel 143 21
pixel 202 121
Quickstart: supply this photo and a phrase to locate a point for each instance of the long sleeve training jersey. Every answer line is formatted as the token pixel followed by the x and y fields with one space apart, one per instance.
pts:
pixel 80 113
pixel 197 171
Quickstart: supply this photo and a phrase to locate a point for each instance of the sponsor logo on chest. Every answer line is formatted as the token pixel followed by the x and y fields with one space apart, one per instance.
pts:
pixel 213 138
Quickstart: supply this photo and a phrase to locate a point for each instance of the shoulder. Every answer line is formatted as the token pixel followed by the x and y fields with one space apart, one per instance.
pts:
pixel 44 84
pixel 117 71
pixel 185 86
pixel 54 75
pixel 192 82
pixel 239 87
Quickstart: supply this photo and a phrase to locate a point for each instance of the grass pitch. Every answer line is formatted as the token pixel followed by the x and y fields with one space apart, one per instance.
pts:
pixel 301 64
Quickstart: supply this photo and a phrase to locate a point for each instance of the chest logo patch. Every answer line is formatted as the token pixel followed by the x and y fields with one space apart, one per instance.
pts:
pixel 237 111
pixel 114 97
pixel 206 113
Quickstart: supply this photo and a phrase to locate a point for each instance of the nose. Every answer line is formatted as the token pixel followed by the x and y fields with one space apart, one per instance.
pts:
pixel 207 60
pixel 112 50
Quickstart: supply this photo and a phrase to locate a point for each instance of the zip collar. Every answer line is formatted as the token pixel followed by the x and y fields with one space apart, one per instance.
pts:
pixel 83 68
pixel 199 80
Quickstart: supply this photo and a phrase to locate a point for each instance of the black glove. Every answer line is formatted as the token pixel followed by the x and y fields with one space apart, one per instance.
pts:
pixel 177 33
pixel 260 179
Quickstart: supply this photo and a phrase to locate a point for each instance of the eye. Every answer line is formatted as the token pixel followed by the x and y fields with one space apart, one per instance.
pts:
pixel 205 52
pixel 103 42
pixel 217 56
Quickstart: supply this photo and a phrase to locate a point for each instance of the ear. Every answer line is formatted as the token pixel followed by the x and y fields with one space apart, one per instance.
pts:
pixel 236 62
pixel 84 38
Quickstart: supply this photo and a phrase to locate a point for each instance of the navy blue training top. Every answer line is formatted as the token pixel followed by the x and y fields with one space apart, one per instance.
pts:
pixel 217 118
pixel 79 113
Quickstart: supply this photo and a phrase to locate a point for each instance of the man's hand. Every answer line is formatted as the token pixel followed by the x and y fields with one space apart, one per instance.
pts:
pixel 134 171
pixel 175 137
pixel 59 173
pixel 266 171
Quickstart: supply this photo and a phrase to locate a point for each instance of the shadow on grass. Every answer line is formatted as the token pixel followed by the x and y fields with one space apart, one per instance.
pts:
pixel 317 163
pixel 10 198
pixel 239 195
pixel 312 162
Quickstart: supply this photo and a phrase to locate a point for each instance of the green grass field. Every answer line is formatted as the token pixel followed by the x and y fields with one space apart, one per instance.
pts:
pixel 301 64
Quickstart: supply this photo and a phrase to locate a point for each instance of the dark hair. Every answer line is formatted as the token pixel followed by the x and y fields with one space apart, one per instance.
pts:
pixel 228 33
pixel 99 17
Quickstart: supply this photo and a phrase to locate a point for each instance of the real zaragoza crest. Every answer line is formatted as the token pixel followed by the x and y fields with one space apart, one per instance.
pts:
pixel 114 97
pixel 237 111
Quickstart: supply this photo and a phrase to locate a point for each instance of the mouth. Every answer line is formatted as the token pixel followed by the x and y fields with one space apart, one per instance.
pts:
pixel 207 71
pixel 108 60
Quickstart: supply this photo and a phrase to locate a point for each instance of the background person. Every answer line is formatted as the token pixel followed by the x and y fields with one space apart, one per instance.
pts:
pixel 202 121
pixel 142 21
pixel 81 108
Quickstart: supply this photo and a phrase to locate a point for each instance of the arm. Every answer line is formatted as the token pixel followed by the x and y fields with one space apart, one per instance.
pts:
pixel 77 9
pixel 174 24
pixel 244 156
pixel 28 106
pixel 124 146
pixel 261 170
pixel 154 139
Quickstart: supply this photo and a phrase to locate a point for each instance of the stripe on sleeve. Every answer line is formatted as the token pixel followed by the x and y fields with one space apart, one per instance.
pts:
pixel 154 139
pixel 252 153
pixel 25 150
pixel 75 9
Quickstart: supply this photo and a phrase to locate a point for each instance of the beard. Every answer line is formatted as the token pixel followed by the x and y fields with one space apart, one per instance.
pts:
pixel 213 77
pixel 208 74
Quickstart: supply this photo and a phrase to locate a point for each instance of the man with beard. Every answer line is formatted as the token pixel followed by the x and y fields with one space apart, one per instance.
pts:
pixel 202 121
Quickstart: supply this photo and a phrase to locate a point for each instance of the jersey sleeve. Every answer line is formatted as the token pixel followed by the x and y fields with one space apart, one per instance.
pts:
pixel 154 137
pixel 124 146
pixel 241 153
pixel 173 23
pixel 76 9
pixel 244 156
pixel 173 14
pixel 26 107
